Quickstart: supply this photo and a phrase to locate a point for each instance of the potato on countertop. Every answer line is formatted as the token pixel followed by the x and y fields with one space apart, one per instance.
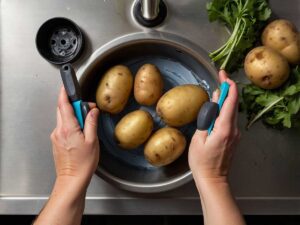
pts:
pixel 164 146
pixel 283 36
pixel 148 85
pixel 266 67
pixel 180 105
pixel 114 89
pixel 134 129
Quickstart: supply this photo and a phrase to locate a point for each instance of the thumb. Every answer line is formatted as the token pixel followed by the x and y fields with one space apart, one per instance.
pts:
pixel 200 136
pixel 91 125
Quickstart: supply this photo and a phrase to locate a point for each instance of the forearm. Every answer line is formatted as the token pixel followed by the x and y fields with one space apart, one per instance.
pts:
pixel 219 206
pixel 65 205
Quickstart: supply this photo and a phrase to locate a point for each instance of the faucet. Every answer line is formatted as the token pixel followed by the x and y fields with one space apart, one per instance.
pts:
pixel 149 9
pixel 150 13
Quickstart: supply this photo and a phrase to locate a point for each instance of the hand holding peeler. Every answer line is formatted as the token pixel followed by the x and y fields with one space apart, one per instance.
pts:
pixel 210 110
pixel 73 90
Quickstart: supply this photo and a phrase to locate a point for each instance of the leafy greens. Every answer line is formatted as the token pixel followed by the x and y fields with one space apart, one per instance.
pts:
pixel 244 19
pixel 279 108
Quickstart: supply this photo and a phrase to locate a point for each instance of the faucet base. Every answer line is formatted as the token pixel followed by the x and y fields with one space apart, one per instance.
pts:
pixel 137 12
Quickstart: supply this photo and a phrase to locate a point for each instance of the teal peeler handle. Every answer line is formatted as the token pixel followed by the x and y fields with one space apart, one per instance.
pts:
pixel 78 112
pixel 224 88
pixel 72 87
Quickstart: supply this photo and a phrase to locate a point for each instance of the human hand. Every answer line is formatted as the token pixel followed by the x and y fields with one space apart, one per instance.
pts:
pixel 210 156
pixel 76 152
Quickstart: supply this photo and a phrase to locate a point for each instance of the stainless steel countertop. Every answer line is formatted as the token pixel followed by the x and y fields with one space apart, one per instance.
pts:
pixel 265 176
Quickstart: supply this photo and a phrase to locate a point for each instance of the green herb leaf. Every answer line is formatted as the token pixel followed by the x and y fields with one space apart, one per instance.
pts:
pixel 262 112
pixel 253 90
pixel 291 90
pixel 287 120
pixel 266 99
pixel 294 105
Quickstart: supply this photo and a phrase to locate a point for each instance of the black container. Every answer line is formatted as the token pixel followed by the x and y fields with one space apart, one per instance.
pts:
pixel 59 40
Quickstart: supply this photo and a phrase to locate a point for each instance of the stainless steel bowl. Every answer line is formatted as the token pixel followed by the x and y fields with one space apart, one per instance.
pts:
pixel 180 62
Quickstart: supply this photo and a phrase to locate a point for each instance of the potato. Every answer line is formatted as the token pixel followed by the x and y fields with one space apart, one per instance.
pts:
pixel 164 146
pixel 134 129
pixel 181 104
pixel 266 67
pixel 148 85
pixel 114 89
pixel 283 36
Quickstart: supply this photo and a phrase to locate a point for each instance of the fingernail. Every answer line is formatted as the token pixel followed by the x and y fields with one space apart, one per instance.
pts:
pixel 216 92
pixel 94 113
pixel 216 95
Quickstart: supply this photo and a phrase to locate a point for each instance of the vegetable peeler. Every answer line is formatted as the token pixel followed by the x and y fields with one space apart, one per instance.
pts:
pixel 72 87
pixel 210 110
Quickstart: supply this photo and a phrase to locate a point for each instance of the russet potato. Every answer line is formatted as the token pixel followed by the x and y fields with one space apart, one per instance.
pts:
pixel 114 89
pixel 148 85
pixel 164 146
pixel 283 36
pixel 266 67
pixel 180 105
pixel 134 129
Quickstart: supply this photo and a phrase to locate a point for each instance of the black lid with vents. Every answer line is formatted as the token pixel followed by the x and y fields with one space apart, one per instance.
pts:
pixel 59 40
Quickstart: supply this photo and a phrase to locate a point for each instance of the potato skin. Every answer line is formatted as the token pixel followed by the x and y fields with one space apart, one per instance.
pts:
pixel 164 146
pixel 148 85
pixel 266 67
pixel 181 104
pixel 283 36
pixel 114 89
pixel 134 129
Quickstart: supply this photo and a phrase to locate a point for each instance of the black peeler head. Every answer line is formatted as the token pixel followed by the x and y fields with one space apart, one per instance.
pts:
pixel 70 82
